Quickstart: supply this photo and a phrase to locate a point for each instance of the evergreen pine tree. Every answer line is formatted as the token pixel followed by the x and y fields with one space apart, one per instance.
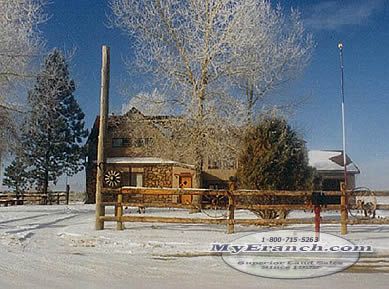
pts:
pixel 16 176
pixel 274 158
pixel 54 130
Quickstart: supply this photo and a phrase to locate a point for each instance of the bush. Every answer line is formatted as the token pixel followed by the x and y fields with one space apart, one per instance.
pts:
pixel 274 157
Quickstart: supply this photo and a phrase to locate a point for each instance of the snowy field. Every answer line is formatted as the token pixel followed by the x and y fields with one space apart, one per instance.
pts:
pixel 57 247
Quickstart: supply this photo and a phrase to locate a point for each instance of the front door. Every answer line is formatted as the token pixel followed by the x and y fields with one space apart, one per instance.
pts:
pixel 186 182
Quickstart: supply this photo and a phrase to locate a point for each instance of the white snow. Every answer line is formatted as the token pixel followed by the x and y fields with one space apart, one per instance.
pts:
pixel 321 160
pixel 57 247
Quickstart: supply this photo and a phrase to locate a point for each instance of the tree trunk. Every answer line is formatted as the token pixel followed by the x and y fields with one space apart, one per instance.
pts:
pixel 250 103
pixel 199 156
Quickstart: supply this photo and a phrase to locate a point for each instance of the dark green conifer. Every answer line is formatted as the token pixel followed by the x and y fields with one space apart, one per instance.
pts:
pixel 51 141
pixel 274 157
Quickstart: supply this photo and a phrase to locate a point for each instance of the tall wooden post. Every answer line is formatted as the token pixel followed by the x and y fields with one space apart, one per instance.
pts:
pixel 231 214
pixel 231 206
pixel 104 94
pixel 317 210
pixel 119 212
pixel 343 210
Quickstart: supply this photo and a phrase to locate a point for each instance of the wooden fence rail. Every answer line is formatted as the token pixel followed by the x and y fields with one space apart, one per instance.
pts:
pixel 11 199
pixel 122 197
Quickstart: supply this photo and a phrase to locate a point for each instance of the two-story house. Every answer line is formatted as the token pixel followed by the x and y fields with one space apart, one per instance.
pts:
pixel 129 163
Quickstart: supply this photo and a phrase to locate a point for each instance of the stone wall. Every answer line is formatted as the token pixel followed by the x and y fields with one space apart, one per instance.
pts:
pixel 90 174
pixel 158 176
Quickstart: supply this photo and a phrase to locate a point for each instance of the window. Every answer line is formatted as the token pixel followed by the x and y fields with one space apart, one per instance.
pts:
pixel 212 164
pixel 138 142
pixel 331 185
pixel 121 142
pixel 224 164
pixel 127 142
pixel 136 180
pixel 141 142
pixel 117 142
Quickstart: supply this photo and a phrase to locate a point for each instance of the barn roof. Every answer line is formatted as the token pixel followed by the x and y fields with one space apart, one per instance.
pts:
pixel 331 161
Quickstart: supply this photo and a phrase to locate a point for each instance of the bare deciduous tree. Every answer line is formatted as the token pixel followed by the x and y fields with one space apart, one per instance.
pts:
pixel 157 103
pixel 19 42
pixel 202 50
pixel 188 44
pixel 278 51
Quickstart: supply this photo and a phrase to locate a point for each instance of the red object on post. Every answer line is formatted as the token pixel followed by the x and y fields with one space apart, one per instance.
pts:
pixel 317 210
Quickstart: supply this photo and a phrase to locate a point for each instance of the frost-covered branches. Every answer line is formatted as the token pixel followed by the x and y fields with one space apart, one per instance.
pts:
pixel 198 45
pixel 20 41
pixel 182 40
pixel 19 37
pixel 207 51
pixel 154 103
pixel 277 50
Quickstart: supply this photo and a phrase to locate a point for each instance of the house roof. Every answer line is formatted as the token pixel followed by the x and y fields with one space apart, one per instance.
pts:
pixel 331 161
pixel 114 121
pixel 145 161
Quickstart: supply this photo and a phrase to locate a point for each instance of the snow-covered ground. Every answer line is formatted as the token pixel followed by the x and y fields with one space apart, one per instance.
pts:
pixel 57 247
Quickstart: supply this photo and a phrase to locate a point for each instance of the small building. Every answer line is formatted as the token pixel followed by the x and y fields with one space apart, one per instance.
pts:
pixel 329 165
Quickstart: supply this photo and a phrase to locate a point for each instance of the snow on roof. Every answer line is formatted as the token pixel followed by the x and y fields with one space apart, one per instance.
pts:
pixel 144 160
pixel 331 160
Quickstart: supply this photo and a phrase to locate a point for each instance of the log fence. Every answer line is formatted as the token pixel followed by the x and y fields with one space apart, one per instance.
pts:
pixel 13 199
pixel 135 197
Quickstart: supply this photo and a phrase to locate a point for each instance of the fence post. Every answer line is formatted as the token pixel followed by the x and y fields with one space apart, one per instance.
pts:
pixel 343 209
pixel 67 194
pixel 231 206
pixel 119 212
pixel 317 210
pixel 231 210
pixel 58 194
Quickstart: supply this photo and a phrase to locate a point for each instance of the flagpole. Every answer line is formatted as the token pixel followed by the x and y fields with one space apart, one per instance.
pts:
pixel 340 46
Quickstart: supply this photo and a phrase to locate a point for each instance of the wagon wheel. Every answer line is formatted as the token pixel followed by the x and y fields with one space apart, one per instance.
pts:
pixel 362 203
pixel 215 206
pixel 112 178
